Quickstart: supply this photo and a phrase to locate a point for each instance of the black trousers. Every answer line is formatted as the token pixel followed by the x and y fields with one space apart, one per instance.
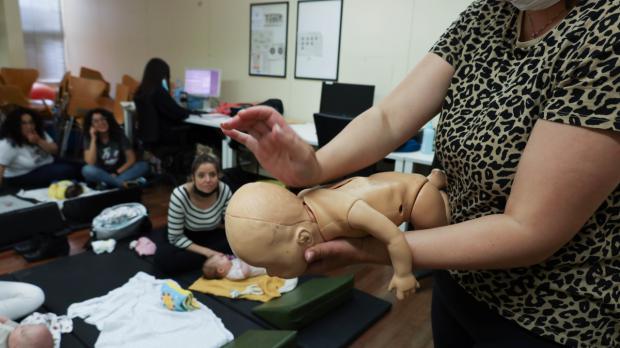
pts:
pixel 459 320
pixel 174 260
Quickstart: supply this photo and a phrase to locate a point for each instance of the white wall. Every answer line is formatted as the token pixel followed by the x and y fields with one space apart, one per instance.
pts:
pixel 380 43
pixel 12 53
pixel 118 37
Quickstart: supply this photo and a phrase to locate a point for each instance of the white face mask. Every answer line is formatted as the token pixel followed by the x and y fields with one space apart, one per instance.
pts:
pixel 532 5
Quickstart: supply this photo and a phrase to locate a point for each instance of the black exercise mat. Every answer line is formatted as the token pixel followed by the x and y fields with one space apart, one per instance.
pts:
pixel 22 224
pixel 81 277
pixel 70 341
pixel 80 211
pixel 337 329
pixel 8 277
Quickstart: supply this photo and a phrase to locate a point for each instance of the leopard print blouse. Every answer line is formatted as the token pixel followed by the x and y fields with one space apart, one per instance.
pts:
pixel 500 88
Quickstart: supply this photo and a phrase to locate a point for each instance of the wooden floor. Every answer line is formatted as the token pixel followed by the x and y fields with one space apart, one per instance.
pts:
pixel 406 325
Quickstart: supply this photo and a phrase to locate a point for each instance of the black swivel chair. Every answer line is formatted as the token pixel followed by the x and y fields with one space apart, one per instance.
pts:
pixel 327 127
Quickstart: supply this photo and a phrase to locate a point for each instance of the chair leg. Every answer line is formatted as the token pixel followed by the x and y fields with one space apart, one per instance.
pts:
pixel 66 133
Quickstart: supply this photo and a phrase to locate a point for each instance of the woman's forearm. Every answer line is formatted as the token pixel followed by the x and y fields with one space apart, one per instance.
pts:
pixel 90 154
pixel 48 146
pixel 490 242
pixel 385 126
pixel 131 159
pixel 199 249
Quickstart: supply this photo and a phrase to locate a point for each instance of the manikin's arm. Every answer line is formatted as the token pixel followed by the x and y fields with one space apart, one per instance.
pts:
pixel 364 217
pixel 554 193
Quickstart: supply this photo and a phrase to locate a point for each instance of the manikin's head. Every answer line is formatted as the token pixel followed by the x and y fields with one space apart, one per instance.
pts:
pixel 216 267
pixel 31 336
pixel 268 226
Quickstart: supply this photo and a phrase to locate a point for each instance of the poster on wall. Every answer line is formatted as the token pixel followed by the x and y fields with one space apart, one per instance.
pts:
pixel 318 39
pixel 268 35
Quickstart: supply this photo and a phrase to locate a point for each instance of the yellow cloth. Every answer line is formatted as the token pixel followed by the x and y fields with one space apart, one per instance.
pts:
pixel 175 298
pixel 270 287
pixel 57 190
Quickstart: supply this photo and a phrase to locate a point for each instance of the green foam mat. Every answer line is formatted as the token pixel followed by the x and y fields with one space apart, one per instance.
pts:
pixel 308 302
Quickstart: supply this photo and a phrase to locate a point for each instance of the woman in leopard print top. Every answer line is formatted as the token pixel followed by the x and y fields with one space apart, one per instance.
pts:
pixel 529 136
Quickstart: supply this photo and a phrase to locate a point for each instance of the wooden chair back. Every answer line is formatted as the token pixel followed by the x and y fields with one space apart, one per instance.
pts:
pixel 22 78
pixel 131 83
pixel 84 94
pixel 10 94
pixel 93 74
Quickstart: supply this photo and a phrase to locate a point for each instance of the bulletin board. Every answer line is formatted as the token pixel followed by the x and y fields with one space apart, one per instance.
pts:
pixel 317 50
pixel 268 37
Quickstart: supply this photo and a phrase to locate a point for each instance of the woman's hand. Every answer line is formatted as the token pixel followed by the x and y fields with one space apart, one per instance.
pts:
pixel 343 252
pixel 33 138
pixel 93 133
pixel 275 145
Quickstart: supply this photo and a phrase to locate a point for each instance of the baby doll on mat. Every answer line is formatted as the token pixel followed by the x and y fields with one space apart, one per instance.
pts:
pixel 230 267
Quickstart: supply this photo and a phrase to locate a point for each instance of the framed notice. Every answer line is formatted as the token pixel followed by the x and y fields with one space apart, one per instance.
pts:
pixel 317 48
pixel 268 35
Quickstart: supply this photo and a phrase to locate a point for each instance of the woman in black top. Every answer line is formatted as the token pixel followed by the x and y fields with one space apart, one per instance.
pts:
pixel 157 111
pixel 110 159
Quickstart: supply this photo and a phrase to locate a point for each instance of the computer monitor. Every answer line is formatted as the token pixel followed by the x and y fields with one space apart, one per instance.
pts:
pixel 346 99
pixel 203 82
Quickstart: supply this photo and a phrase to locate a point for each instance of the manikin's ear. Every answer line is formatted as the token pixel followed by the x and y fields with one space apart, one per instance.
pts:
pixel 304 236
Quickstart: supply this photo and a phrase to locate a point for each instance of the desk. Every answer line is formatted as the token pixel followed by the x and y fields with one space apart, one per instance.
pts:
pixel 229 157
pixel 403 161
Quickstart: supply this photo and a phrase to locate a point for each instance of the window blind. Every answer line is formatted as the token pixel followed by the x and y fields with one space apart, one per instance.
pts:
pixel 43 37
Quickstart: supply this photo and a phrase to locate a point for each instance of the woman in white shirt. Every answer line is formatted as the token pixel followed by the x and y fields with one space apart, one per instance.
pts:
pixel 26 153
pixel 195 219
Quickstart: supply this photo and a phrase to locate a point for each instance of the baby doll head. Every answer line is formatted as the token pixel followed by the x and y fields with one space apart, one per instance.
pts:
pixel 216 267
pixel 268 226
pixel 31 336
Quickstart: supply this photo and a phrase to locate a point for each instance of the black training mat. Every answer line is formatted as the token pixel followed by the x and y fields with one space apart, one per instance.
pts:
pixel 80 211
pixel 7 277
pixel 70 341
pixel 22 224
pixel 80 277
pixel 265 338
pixel 233 321
pixel 336 329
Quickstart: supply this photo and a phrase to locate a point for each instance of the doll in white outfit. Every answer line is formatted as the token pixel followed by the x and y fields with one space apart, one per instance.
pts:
pixel 230 267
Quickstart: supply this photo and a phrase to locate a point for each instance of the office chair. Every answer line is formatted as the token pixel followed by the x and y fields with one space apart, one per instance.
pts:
pixel 327 127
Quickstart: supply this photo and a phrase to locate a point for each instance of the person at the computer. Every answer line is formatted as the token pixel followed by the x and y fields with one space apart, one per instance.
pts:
pixel 158 112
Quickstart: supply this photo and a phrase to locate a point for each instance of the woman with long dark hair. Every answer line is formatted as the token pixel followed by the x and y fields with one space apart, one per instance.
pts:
pixel 157 111
pixel 110 159
pixel 195 219
pixel 27 152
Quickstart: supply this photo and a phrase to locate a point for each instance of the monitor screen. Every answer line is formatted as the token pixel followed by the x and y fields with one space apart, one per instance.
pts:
pixel 203 82
pixel 346 99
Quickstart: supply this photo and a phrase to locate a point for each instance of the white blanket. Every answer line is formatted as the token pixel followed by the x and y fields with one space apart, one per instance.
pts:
pixel 134 316
pixel 41 194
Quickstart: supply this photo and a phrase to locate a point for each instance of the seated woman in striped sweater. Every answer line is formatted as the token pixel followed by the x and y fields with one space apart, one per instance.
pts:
pixel 195 219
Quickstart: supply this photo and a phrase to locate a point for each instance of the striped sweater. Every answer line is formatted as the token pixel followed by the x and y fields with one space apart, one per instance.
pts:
pixel 183 214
